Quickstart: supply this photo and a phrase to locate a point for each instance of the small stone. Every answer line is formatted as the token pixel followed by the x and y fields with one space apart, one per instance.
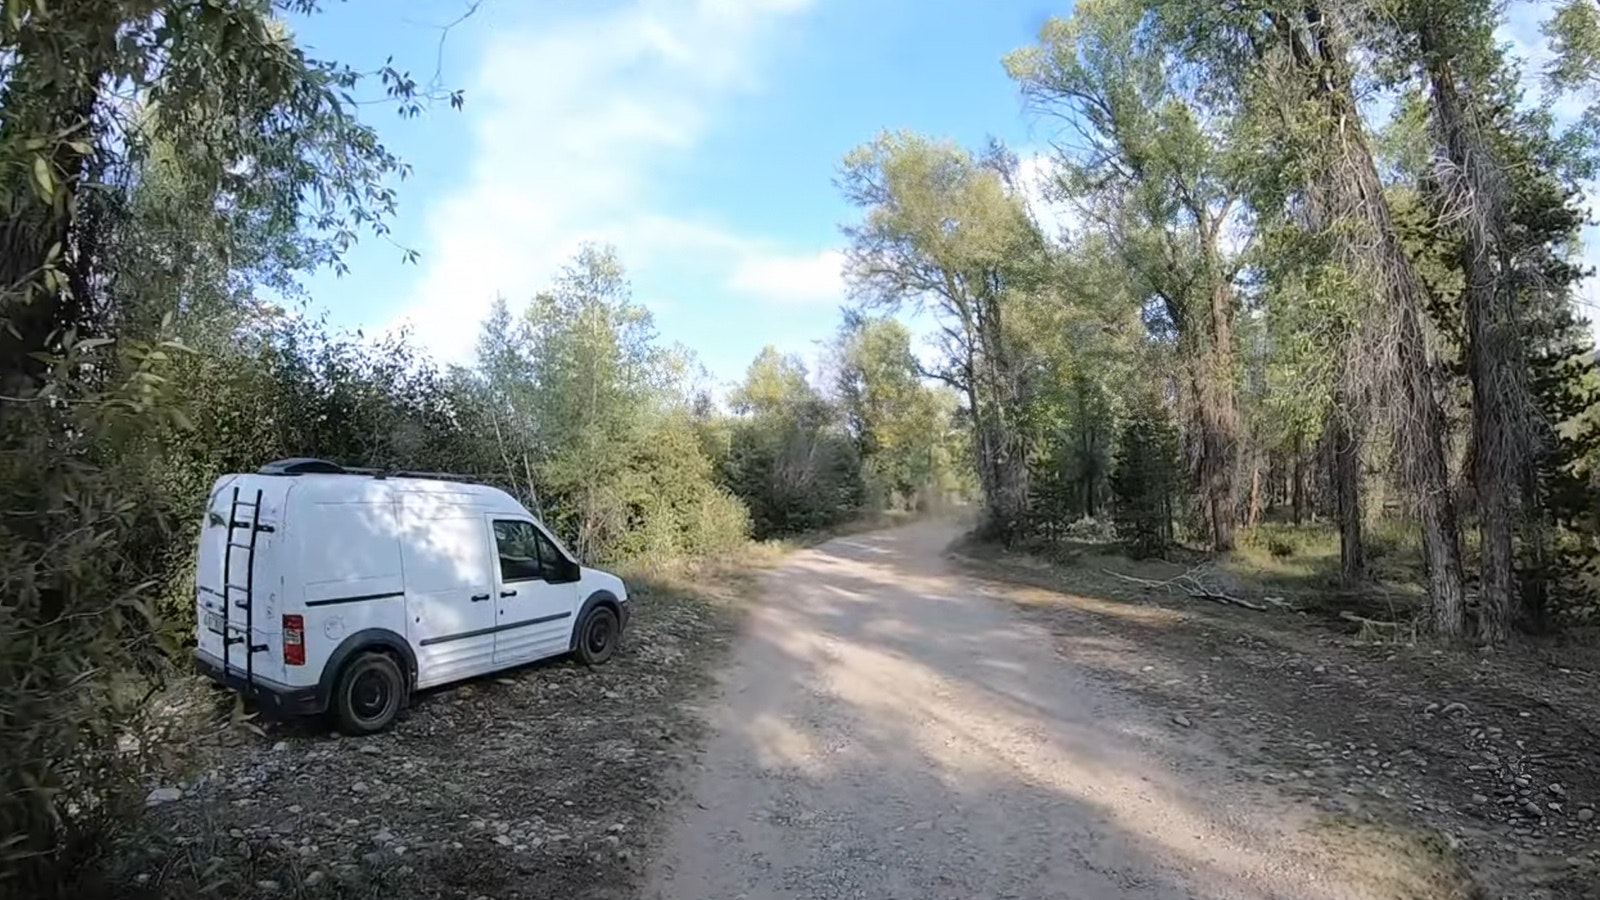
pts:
pixel 617 828
pixel 1558 790
pixel 502 840
pixel 359 787
pixel 1585 814
pixel 1479 798
pixel 1320 669
pixel 163 795
pixel 293 810
pixel 1455 707
pixel 280 746
pixel 1181 719
pixel 266 884
pixel 384 837
pixel 371 750
pixel 1533 809
pixel 314 879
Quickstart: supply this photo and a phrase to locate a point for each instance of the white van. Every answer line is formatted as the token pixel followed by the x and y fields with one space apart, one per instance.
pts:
pixel 326 589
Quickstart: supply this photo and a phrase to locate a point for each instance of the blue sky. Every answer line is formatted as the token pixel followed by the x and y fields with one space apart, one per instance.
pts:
pixel 698 136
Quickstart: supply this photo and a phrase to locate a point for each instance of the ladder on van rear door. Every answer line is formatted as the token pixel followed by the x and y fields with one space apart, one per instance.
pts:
pixel 241 596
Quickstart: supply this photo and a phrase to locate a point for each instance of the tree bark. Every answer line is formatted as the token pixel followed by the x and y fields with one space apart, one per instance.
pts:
pixel 1346 453
pixel 1298 489
pixel 1217 415
pixel 1254 516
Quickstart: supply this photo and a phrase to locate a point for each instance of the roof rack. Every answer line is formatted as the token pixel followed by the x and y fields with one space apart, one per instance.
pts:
pixel 305 465
pixel 302 465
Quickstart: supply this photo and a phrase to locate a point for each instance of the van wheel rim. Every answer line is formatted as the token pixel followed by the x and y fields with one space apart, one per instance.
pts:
pixel 369 695
pixel 599 634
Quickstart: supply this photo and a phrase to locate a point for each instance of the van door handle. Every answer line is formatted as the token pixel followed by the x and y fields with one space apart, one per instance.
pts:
pixel 511 593
pixel 478 597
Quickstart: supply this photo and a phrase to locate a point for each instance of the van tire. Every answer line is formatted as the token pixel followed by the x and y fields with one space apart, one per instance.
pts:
pixel 369 694
pixel 598 635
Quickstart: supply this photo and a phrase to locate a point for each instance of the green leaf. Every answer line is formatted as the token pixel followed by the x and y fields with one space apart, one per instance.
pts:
pixel 42 176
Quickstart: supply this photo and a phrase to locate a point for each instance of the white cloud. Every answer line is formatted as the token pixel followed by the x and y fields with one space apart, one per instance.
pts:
pixel 787 278
pixel 1036 176
pixel 572 122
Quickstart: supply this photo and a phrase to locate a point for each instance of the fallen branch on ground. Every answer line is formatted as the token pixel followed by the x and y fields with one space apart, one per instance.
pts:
pixel 1349 616
pixel 1190 584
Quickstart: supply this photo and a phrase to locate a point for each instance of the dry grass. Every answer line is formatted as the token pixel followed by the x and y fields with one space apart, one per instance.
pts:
pixel 1396 860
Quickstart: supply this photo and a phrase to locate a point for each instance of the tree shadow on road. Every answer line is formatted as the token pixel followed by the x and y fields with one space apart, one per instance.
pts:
pixel 1353 727
pixel 888 731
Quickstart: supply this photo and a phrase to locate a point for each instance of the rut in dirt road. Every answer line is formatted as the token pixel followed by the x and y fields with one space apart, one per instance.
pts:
pixel 889 729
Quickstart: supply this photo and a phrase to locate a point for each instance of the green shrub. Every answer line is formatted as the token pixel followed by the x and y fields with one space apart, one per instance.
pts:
pixel 82 546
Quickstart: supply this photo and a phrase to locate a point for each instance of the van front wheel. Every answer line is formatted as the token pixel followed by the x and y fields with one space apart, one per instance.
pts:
pixel 369 694
pixel 598 635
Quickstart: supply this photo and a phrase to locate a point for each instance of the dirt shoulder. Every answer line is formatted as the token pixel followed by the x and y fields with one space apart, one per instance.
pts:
pixel 539 782
pixel 1484 764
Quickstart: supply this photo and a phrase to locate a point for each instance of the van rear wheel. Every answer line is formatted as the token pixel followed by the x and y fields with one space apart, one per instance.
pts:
pixel 370 693
pixel 598 635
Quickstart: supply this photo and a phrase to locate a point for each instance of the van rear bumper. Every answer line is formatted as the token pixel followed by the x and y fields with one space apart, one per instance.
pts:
pixel 280 698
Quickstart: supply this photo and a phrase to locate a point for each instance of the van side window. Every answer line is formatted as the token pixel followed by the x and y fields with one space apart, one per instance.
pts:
pixel 518 544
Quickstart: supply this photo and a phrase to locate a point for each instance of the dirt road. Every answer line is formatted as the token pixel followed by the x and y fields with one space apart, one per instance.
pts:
pixel 889 729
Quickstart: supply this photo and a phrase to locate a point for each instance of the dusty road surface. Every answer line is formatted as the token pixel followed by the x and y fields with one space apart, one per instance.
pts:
pixel 889 729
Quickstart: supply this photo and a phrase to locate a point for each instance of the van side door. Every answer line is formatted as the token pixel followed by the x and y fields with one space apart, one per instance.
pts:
pixel 449 595
pixel 536 592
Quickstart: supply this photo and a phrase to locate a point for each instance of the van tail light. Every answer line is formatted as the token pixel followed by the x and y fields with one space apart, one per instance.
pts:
pixel 294 640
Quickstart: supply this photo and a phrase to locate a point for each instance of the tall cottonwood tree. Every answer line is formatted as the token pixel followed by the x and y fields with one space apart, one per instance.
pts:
pixel 1293 62
pixel 1153 163
pixel 1456 52
pixel 944 231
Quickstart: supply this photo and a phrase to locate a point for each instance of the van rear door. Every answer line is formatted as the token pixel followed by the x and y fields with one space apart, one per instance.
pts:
pixel 236 587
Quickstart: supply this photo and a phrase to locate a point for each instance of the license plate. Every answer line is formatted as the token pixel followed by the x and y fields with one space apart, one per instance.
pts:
pixel 214 622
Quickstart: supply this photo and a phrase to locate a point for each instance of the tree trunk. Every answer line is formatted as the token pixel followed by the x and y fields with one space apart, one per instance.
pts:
pixel 1476 195
pixel 1298 490
pixel 1346 453
pixel 1219 416
pixel 1393 347
pixel 1255 494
